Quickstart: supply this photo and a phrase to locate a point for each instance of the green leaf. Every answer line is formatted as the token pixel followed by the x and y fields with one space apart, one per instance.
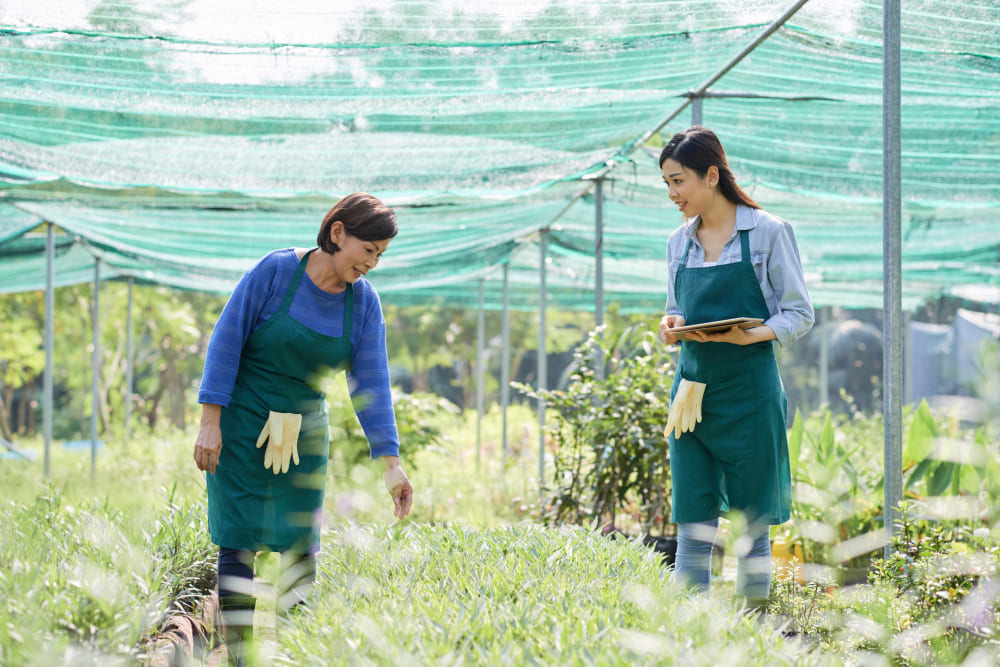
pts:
pixel 941 479
pixel 968 479
pixel 795 442
pixel 920 439
pixel 918 473
pixel 992 477
pixel 827 440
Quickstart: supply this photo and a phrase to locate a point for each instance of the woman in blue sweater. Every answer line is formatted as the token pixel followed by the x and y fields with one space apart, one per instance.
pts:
pixel 293 320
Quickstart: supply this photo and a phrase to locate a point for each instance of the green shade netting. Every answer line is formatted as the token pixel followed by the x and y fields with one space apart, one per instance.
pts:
pixel 442 255
pixel 180 141
pixel 13 224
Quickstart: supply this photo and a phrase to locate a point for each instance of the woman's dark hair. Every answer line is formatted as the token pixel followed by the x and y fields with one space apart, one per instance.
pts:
pixel 363 216
pixel 697 148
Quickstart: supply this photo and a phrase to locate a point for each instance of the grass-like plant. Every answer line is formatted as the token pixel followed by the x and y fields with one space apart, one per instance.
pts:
pixel 92 567
pixel 91 583
pixel 516 595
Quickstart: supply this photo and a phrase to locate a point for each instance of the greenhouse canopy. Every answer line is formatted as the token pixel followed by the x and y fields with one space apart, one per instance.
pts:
pixel 177 142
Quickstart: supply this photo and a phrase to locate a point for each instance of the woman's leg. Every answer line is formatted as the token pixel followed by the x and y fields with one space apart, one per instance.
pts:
pixel 297 573
pixel 236 600
pixel 753 573
pixel 693 564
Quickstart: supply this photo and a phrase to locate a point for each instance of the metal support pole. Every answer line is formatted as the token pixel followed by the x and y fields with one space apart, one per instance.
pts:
pixel 128 364
pixel 480 371
pixel 826 321
pixel 599 252
pixel 543 246
pixel 95 368
pixel 907 361
pixel 50 297
pixel 696 115
pixel 891 263
pixel 505 360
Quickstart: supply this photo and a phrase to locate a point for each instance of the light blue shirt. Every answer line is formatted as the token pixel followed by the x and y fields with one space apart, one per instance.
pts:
pixel 775 257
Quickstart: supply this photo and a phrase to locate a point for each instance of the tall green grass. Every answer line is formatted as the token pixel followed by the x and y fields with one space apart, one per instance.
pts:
pixel 92 567
pixel 90 583
pixel 512 595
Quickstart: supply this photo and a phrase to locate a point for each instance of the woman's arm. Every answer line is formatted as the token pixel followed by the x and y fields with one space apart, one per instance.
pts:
pixel 239 318
pixel 369 381
pixel 208 445
pixel 673 317
pixel 242 314
pixel 372 397
pixel 787 279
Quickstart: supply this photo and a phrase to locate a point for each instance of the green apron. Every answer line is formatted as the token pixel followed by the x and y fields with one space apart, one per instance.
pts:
pixel 282 364
pixel 737 457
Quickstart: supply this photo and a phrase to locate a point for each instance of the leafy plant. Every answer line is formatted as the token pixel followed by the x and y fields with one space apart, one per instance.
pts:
pixel 513 595
pixel 932 602
pixel 936 563
pixel 837 470
pixel 610 454
pixel 416 423
pixel 96 580
pixel 836 488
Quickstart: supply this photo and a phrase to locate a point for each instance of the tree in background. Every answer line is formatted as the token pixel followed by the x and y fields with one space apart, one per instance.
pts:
pixel 170 332
pixel 22 361
pixel 424 339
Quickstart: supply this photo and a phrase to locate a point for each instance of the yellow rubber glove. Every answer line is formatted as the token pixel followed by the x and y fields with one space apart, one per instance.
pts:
pixel 675 417
pixel 281 433
pixel 685 409
pixel 694 403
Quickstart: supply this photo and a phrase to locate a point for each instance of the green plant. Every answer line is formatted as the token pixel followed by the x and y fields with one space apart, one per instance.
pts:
pixel 513 595
pixel 98 579
pixel 837 470
pixel 941 458
pixel 836 486
pixel 932 602
pixel 610 453
pixel 418 419
pixel 936 563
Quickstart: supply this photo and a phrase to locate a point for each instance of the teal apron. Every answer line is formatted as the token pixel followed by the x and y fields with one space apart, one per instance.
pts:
pixel 737 457
pixel 282 364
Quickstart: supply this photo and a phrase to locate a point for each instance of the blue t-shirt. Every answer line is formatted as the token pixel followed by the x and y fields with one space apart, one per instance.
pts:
pixel 258 296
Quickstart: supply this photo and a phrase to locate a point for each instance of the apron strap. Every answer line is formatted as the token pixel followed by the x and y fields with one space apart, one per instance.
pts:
pixel 294 285
pixel 684 257
pixel 744 246
pixel 348 310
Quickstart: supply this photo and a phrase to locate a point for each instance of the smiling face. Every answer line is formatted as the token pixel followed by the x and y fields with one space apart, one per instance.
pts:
pixel 356 257
pixel 690 192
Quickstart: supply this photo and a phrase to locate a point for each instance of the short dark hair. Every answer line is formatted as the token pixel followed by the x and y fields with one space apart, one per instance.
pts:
pixel 698 148
pixel 363 216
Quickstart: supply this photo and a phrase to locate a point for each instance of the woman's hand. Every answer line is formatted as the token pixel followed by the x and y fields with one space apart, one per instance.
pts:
pixel 670 322
pixel 208 445
pixel 734 335
pixel 399 486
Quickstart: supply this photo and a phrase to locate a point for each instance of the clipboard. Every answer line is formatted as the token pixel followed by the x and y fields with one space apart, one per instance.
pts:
pixel 718 325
